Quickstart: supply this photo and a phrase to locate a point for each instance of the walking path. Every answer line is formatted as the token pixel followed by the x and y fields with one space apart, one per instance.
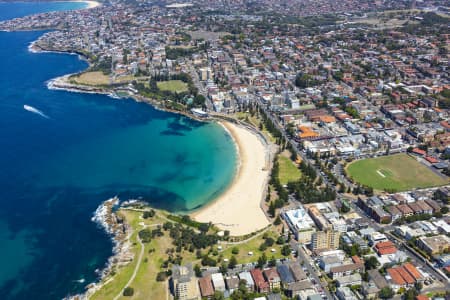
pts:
pixel 249 239
pixel 141 254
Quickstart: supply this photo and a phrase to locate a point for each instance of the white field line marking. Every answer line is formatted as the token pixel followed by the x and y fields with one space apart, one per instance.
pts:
pixel 381 174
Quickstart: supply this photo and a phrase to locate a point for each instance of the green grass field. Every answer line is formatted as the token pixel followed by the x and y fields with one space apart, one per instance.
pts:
pixel 175 86
pixel 398 172
pixel 253 246
pixel 288 171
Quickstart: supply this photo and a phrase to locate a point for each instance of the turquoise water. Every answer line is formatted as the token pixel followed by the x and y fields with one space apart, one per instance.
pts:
pixel 55 171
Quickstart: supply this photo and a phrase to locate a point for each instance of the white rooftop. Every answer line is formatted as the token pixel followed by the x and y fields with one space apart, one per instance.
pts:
pixel 299 218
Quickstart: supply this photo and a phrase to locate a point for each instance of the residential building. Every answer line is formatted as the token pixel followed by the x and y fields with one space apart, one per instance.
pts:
pixel 296 289
pixel 345 270
pixel 232 283
pixel 345 293
pixel 184 284
pixel 218 282
pixel 248 280
pixel 206 286
pixel 297 271
pixel 285 275
pixel 349 280
pixel 325 240
pixel 273 278
pixel 384 248
pixel 434 244
pixel 262 286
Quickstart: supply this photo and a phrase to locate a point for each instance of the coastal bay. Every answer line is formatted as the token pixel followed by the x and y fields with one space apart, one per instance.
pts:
pixel 57 170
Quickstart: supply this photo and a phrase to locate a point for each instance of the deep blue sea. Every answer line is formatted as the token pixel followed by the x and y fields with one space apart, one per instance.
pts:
pixel 55 171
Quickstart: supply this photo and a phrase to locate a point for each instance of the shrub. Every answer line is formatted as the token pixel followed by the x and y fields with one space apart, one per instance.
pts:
pixel 128 291
pixel 161 276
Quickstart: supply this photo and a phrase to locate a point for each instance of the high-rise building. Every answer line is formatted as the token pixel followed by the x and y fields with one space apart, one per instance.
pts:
pixel 325 240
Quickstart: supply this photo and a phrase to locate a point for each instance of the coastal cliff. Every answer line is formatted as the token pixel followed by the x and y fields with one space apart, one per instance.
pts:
pixel 115 226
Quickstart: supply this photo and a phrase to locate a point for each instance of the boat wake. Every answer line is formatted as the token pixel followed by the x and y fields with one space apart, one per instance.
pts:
pixel 35 111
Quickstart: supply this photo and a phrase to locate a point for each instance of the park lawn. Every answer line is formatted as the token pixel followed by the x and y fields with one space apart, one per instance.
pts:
pixel 398 172
pixel 252 246
pixel 91 78
pixel 175 86
pixel 288 170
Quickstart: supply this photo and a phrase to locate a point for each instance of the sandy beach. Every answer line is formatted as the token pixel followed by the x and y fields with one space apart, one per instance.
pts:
pixel 238 208
pixel 91 4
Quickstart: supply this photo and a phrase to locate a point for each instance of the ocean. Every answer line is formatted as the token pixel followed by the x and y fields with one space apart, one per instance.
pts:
pixel 56 168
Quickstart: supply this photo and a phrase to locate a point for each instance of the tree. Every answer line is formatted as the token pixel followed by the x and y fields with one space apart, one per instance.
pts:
pixel 223 268
pixel 280 240
pixel 272 261
pixel 262 260
pixel 148 214
pixel 371 263
pixel 232 263
pixel 167 225
pixel 218 295
pixel 262 247
pixel 410 294
pixel 161 276
pixel 444 210
pixel 145 235
pixel 128 291
pixel 204 227
pixel 271 210
pixel 386 293
pixel 277 221
pixel 235 250
pixel 197 270
pixel 286 250
pixel 269 241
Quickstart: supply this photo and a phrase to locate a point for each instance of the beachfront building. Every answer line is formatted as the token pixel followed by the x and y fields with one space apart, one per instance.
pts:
pixel 184 284
pixel 300 224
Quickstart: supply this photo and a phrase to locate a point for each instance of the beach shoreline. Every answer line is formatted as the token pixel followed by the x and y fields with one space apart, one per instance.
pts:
pixel 238 209
pixel 90 3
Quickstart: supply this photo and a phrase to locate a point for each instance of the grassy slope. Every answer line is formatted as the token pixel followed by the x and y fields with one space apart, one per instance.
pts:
pixel 145 284
pixel 253 246
pixel 401 171
pixel 92 78
pixel 288 171
pixel 177 86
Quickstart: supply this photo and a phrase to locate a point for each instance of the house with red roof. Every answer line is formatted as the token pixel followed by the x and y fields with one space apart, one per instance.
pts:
pixel 385 248
pixel 404 276
pixel 419 152
pixel 262 286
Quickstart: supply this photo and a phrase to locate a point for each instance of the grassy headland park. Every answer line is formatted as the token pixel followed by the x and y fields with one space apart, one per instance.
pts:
pixel 158 240
pixel 397 172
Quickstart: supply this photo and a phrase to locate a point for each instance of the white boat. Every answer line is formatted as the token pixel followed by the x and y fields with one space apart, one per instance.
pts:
pixel 35 111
